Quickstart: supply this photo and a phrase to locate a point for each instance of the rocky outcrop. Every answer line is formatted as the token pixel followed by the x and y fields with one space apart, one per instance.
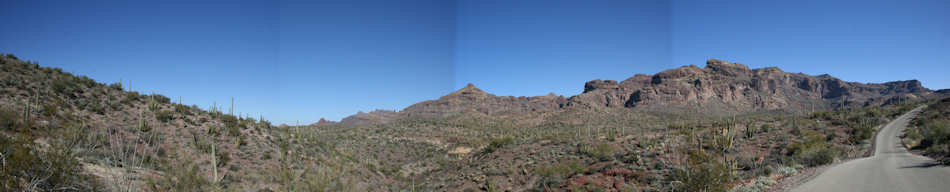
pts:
pixel 736 86
pixel 323 121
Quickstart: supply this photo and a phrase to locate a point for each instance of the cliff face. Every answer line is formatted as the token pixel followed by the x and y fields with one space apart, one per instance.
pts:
pixel 741 88
pixel 719 86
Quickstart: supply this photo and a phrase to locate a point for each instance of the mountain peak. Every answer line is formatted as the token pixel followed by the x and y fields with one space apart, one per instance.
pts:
pixel 727 68
pixel 469 89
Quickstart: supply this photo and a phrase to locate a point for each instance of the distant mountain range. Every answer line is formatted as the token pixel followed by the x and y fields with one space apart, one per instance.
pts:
pixel 719 88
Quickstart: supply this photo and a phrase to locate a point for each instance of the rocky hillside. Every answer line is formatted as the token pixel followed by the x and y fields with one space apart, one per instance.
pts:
pixel 719 88
pixel 929 133
pixel 65 132
pixel 469 99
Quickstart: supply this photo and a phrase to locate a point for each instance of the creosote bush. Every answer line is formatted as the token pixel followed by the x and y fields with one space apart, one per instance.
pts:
pixel 25 168
pixel 600 151
pixel 703 172
pixel 497 143
pixel 554 175
pixel 164 115
pixel 812 150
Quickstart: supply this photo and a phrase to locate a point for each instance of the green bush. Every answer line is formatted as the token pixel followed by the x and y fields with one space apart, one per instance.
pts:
pixel 164 115
pixel 161 98
pixel 180 176
pixel 95 107
pixel 788 170
pixel 143 126
pixel 52 169
pixel 265 124
pixel 704 172
pixel 8 119
pixel 761 184
pixel 812 150
pixel 50 109
pixel 231 124
pixel 65 86
pixel 116 86
pixel 130 98
pixel 183 109
pixel 554 175
pixel 598 151
pixel 497 143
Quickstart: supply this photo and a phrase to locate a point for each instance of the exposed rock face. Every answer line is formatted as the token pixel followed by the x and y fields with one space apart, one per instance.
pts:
pixel 323 121
pixel 724 84
pixel 719 86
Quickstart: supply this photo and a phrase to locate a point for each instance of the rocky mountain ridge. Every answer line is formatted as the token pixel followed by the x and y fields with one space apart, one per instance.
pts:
pixel 718 87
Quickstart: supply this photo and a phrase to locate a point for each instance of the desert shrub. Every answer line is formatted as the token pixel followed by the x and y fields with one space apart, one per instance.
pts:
pixel 554 175
pixel 8 119
pixel 26 168
pixel 223 158
pixel 812 150
pixel 241 141
pixel 498 143
pixel 704 172
pixel 935 133
pixel 761 184
pixel 65 86
pixel 265 124
pixel 153 105
pixel 95 107
pixel 183 109
pixel 598 151
pixel 931 131
pixel 766 127
pixel 143 126
pixel 50 109
pixel 161 98
pixel 130 97
pixel 788 170
pixel 164 115
pixel 116 86
pixel 913 133
pixel 231 124
pixel 746 163
pixel 180 176
pixel 84 80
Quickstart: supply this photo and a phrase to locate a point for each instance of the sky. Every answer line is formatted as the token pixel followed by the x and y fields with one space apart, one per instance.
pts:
pixel 536 47
pixel 291 61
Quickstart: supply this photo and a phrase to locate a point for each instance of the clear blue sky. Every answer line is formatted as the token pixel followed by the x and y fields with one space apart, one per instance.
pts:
pixel 302 60
pixel 535 47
